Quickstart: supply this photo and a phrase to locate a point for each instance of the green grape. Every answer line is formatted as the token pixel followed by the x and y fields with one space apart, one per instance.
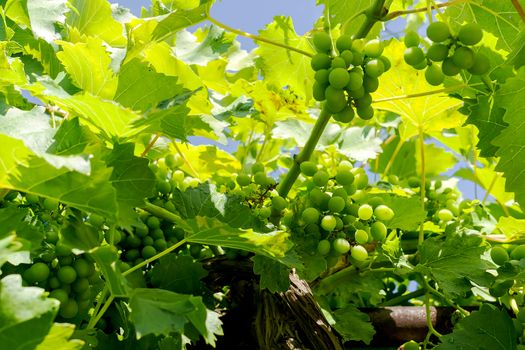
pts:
pixel 318 91
pixel 243 180
pixel 50 204
pixel 449 68
pixel 344 177
pixel 83 268
pixel 321 76
pixel 173 161
pixel 160 244
pixel 80 285
pixel 54 283
pixel 386 63
pixel 341 246
pixel 438 32
pixel 260 178
pixel 69 309
pixel 338 78
pixel 343 43
pixel 365 212
pixel 355 81
pixel 321 61
pixel 348 56
pixel 141 230
pixel 500 289
pixel 322 41
pixel 414 55
pixel 321 178
pixel 518 253
pixel 374 68
pixel 148 252
pixel 358 58
pixel 38 272
pixel 411 39
pixel 340 192
pixel 323 247
pixel 499 255
pixel 328 223
pixel 370 84
pixel 345 116
pixel 153 222
pixel 164 187
pixel 335 99
pixel 437 52
pixel 365 112
pixel 359 253
pixel 445 215
pixel 65 260
pixel 411 345
pixel 279 203
pixel 67 274
pixel 132 254
pixel 310 216
pixel 308 168
pixel 378 231
pixel 60 295
pixel 361 236
pixel 338 62
pixel 336 204
pixel 373 48
pixel 355 94
pixel 366 100
pixel 32 198
pixel 463 57
pixel 481 65
pixel 360 180
pixel 470 34
pixel 414 182
pixel 147 240
pixel 383 213
pixel 375 201
pixel 265 212
pixel 434 75
pixel 257 168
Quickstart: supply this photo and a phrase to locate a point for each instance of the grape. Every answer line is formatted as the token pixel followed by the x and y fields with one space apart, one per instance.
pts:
pixel 60 295
pixel 437 52
pixel 345 116
pixel 69 309
pixel 339 62
pixel 359 253
pixel 365 212
pixel 338 78
pixel 361 236
pixel 164 187
pixel 341 246
pixel 481 64
pixel 360 181
pixel 378 231
pixel 279 203
pixel 32 198
pixel 386 62
pixel 310 216
pixel 321 61
pixel 336 204
pixel 308 168
pixel 373 48
pixel 411 345
pixel 335 99
pixel 414 55
pixel 328 223
pixel 370 84
pixel 358 58
pixel 518 253
pixel 39 272
pixel 463 57
pixel 354 94
pixel 260 178
pixel 365 112
pixel 411 39
pixel 344 42
pixel 54 283
pixel 80 285
pixel 348 56
pixel 322 41
pixel 321 76
pixel 257 168
pixel 414 182
pixel 445 215
pixel 344 177
pixel 147 240
pixel 157 233
pixel 153 222
pixel 383 213
pixel 323 247
pixel 173 161
pixel 434 75
pixel 499 255
pixel 355 81
pixel 366 100
pixel 318 92
pixel 160 244
pixel 438 32
pixel 375 201
pixel 470 34
pixel 500 289
pixel 67 274
pixel 50 204
pixel 83 268
pixel 374 68
pixel 243 180
pixel 449 68
pixel 321 178
pixel 148 252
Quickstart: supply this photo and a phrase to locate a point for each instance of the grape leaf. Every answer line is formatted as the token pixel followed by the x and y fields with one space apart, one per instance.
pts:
pixel 454 262
pixel 215 42
pixel 488 328
pixel 58 338
pixel 106 257
pixel 178 273
pixel 274 276
pixel 8 246
pixel 80 238
pixel 360 144
pixel 71 138
pixel 408 212
pixel 351 283
pixel 517 56
pixel 353 324
pixel 26 315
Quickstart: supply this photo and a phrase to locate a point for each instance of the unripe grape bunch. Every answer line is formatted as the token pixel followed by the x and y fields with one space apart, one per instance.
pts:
pixel 345 80
pixel 449 53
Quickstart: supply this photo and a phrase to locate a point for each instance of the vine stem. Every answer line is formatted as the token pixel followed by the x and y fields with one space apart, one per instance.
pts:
pixel 373 15
pixel 150 145
pixel 102 311
pixel 394 156
pixel 92 322
pixel 257 38
pixel 519 9
pixel 428 315
pixel 405 297
pixel 437 293
pixel 422 188
pixel 426 93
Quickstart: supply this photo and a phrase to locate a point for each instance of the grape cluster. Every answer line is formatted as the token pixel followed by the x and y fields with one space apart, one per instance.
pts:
pixel 346 81
pixel 454 52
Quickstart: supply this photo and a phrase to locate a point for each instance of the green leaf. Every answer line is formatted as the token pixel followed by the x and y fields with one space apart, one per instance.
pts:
pixel 79 237
pixel 517 56
pixel 158 311
pixel 71 138
pixel 408 214
pixel 26 315
pixel 282 67
pixel 360 144
pixel 454 262
pixel 178 273
pixel 59 338
pixel 106 257
pixel 352 284
pixel 274 276
pixel 353 324
pixel 488 328
pixel 44 15
pixel 8 246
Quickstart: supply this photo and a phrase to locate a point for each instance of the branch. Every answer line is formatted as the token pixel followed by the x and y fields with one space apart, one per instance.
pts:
pixel 519 8
pixel 257 38
pixel 395 14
